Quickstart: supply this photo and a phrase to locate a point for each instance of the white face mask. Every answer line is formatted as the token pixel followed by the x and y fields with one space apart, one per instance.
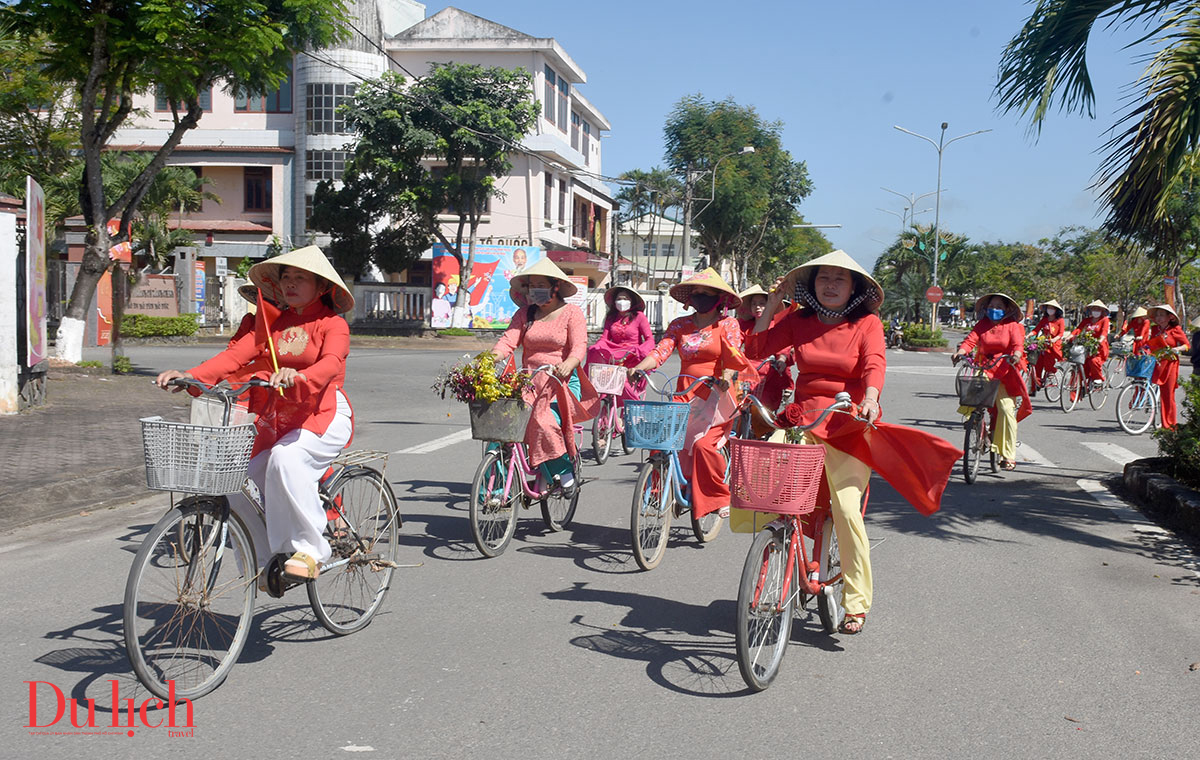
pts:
pixel 539 296
pixel 623 304
pixel 1096 313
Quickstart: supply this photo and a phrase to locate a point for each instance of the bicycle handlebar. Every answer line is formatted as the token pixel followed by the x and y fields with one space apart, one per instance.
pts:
pixel 705 379
pixel 993 363
pixel 216 391
pixel 842 403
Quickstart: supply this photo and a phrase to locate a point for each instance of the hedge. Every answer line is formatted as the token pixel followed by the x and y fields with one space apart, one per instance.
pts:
pixel 920 335
pixel 147 326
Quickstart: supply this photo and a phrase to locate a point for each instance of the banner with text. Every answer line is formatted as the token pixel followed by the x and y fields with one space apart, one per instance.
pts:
pixel 36 349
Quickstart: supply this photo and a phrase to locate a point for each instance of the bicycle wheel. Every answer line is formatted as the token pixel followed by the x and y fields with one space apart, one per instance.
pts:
pixel 707 528
pixel 1136 408
pixel 1072 387
pixel 1114 373
pixel 366 536
pixel 558 509
pixel 650 518
pixel 1098 396
pixel 493 511
pixel 972 451
pixel 186 620
pixel 603 431
pixel 829 602
pixel 764 617
pixel 1053 386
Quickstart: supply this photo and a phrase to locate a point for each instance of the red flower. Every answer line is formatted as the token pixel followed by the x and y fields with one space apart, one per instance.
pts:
pixel 791 416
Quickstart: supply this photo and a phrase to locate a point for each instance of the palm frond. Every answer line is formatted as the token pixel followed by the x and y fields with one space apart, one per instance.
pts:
pixel 1163 128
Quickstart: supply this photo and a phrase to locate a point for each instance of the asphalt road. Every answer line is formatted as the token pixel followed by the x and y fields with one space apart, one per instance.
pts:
pixel 1034 616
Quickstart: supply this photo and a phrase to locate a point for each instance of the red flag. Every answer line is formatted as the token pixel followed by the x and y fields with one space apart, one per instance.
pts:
pixel 264 317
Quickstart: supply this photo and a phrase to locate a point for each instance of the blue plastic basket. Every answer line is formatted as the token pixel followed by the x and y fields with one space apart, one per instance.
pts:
pixel 1141 367
pixel 657 425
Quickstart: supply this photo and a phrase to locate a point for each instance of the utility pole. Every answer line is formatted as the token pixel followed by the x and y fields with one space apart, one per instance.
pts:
pixel 686 246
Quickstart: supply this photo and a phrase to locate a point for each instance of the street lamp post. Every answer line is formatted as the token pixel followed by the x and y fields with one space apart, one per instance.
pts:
pixel 939 146
pixel 911 203
pixel 689 180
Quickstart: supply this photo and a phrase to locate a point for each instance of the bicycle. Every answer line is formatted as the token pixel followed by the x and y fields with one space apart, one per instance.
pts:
pixel 1074 382
pixel 778 579
pixel 1116 366
pixel 663 490
pixel 1138 402
pixel 189 597
pixel 979 392
pixel 502 486
pixel 609 381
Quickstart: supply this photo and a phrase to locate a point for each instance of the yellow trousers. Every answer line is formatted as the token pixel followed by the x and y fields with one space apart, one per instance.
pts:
pixel 1004 437
pixel 847 478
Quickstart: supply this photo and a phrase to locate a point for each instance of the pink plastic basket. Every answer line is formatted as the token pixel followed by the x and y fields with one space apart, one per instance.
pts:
pixel 607 378
pixel 775 477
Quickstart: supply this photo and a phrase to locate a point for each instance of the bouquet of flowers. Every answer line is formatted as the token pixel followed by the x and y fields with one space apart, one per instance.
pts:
pixel 1036 343
pixel 1090 343
pixel 1166 354
pixel 478 379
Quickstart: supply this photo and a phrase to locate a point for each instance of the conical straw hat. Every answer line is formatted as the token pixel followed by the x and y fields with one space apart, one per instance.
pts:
pixel 1139 312
pixel 1013 310
pixel 682 292
pixel 265 274
pixel 1163 307
pixel 1098 304
pixel 802 276
pixel 518 284
pixel 249 291
pixel 610 296
pixel 1052 302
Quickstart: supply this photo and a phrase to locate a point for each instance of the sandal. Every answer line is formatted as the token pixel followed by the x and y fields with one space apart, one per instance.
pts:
pixel 853 623
pixel 1008 464
pixel 301 567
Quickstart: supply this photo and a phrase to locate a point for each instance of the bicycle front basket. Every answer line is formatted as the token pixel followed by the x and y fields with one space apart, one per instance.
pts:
pixel 978 391
pixel 607 378
pixel 1140 367
pixel 196 458
pixel 660 425
pixel 503 420
pixel 783 478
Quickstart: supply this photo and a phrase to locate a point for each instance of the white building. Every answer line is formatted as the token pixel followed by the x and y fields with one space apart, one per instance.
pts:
pixel 654 244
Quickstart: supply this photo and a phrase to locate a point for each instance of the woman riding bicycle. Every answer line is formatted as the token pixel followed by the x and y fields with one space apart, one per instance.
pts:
pixel 777 378
pixel 999 333
pixel 1139 327
pixel 548 330
pixel 626 338
pixel 1052 326
pixel 838 342
pixel 1095 323
pixel 301 431
pixel 708 344
pixel 1167 341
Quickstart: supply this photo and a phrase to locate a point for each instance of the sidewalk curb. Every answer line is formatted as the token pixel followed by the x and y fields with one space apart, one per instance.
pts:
pixel 1163 496
pixel 119 486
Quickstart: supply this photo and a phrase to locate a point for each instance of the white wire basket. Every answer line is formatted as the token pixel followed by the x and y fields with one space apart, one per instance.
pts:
pixel 607 378
pixel 200 459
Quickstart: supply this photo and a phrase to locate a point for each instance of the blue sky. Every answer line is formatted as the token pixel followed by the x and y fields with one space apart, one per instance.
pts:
pixel 839 75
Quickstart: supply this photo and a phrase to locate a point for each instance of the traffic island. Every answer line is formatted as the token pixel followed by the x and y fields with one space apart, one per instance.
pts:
pixel 1176 505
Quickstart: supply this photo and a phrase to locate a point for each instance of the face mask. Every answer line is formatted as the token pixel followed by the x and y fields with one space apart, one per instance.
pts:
pixel 703 303
pixel 539 295
pixel 995 314
pixel 1096 313
pixel 623 304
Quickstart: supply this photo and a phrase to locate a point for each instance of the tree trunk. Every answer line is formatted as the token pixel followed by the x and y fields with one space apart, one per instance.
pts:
pixel 68 344
pixel 119 281
pixel 461 315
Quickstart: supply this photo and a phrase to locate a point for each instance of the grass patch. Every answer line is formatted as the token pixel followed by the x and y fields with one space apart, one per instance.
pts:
pixel 455 332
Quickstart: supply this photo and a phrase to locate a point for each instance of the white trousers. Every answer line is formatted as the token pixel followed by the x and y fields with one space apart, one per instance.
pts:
pixel 287 475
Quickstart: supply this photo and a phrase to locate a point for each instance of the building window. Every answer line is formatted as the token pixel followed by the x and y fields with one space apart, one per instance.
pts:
pixel 324 164
pixel 548 98
pixel 668 249
pixel 321 101
pixel 308 200
pixel 650 249
pixel 587 141
pixel 548 201
pixel 575 130
pixel 277 101
pixel 564 97
pixel 582 218
pixel 162 104
pixel 258 188
pixel 562 202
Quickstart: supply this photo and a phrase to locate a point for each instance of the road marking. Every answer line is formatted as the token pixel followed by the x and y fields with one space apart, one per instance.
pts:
pixel 1122 510
pixel 1030 455
pixel 1118 454
pixel 438 443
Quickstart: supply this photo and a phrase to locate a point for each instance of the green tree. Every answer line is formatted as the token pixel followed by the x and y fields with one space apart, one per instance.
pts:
pixel 648 194
pixel 785 248
pixel 1045 65
pixel 752 195
pixel 109 50
pixel 465 119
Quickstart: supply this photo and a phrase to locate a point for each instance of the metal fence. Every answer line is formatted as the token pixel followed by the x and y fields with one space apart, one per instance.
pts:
pixel 383 302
